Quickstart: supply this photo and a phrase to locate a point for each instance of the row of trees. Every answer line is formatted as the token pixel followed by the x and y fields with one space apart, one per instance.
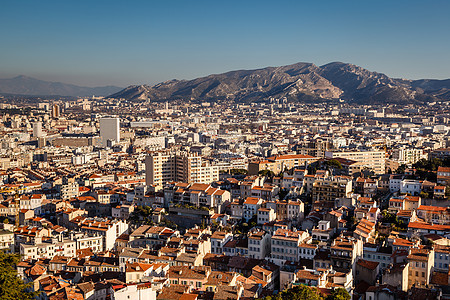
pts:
pixel 301 292
pixel 426 168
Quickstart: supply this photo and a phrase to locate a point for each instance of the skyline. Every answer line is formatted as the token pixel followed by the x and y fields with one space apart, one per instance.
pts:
pixel 113 43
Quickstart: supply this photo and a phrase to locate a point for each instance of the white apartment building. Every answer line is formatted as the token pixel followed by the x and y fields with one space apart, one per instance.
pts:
pixel 295 210
pixel 412 187
pixel 307 251
pixel 33 202
pixel 110 230
pixel 266 215
pixel 395 182
pixel 218 240
pixel 407 155
pixel 37 129
pixel 110 130
pixel 135 291
pixel 251 206
pixel 56 246
pixel 285 245
pixel 68 189
pixel 6 241
pixel 375 160
pixel 95 242
pixel 258 244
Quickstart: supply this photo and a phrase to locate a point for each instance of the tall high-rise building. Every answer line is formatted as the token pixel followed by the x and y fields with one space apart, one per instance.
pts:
pixel 166 166
pixel 110 129
pixel 56 111
pixel 37 130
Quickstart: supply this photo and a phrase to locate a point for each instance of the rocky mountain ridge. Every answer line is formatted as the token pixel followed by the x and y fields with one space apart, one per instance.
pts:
pixel 300 82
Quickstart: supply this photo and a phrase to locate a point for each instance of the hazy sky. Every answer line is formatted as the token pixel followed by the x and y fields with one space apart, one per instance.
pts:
pixel 132 42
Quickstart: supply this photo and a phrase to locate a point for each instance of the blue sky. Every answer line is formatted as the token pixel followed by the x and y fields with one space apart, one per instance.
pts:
pixel 133 42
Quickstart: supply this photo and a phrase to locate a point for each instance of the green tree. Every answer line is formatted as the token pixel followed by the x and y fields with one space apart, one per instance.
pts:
pixel 333 163
pixel 339 294
pixel 141 215
pixel 267 173
pixel 401 169
pixel 238 172
pixel 11 286
pixel 424 195
pixel 301 292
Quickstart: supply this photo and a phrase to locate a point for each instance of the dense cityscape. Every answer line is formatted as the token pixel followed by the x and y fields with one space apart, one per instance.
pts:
pixel 105 198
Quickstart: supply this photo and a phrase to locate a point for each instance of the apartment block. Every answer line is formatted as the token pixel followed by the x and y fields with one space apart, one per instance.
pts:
pixel 326 189
pixel 375 160
pixel 162 167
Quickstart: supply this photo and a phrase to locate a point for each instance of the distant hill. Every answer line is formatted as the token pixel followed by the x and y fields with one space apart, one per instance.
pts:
pixel 24 85
pixel 301 82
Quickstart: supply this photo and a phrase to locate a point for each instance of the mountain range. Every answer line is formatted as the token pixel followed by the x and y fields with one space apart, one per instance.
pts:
pixel 24 85
pixel 300 81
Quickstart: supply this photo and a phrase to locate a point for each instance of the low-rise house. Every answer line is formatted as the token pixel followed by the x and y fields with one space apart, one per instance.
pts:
pixel 237 209
pixel 217 279
pixel 443 175
pixel 434 214
pixel 365 230
pixel 134 291
pixel 194 277
pixel 396 204
pixel 308 277
pixel 367 187
pixel 427 228
pixel 151 236
pixel 373 214
pixel 439 191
